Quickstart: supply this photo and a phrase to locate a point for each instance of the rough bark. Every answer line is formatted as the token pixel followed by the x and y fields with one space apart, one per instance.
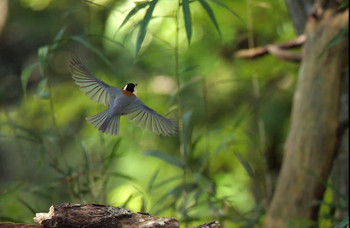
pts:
pixel 312 142
pixel 18 225
pixel 95 215
pixel 340 169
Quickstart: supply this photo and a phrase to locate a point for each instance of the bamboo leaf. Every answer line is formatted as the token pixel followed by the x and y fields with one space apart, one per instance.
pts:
pixel 109 160
pixel 335 40
pixel 127 201
pixel 27 205
pixel 245 164
pixel 58 38
pixel 187 69
pixel 186 118
pixel 183 86
pixel 120 175
pixel 28 132
pixel 344 223
pixel 228 140
pixel 344 4
pixel 133 12
pixel 25 76
pixel 195 142
pixel 167 158
pixel 93 49
pixel 153 179
pixel 187 19
pixel 41 157
pixel 210 13
pixel 86 160
pixel 166 181
pixel 143 25
pixel 228 9
pixel 42 56
pixel 40 91
pixel 203 182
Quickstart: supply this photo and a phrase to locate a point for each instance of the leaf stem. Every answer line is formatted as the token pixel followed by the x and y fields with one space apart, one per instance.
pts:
pixel 181 133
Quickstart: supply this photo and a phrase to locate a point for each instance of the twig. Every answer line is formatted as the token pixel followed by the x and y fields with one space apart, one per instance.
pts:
pixel 277 50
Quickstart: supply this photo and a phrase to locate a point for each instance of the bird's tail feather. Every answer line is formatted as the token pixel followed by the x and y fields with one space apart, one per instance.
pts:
pixel 106 123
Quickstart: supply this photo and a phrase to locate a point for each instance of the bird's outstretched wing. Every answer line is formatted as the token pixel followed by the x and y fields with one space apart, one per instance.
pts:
pixel 92 86
pixel 149 119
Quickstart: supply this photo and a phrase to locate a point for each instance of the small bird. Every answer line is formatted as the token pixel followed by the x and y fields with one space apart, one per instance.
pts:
pixel 120 102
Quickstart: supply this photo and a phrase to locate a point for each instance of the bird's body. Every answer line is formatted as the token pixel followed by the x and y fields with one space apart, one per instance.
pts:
pixel 120 102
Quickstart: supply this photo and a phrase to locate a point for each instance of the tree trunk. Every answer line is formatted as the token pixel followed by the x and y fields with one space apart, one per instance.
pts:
pixel 312 142
pixel 340 169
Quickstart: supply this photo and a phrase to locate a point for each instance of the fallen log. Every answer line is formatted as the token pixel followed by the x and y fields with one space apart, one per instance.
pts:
pixel 96 215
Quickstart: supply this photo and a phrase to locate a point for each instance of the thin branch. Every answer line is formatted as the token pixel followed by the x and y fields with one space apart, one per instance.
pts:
pixel 278 50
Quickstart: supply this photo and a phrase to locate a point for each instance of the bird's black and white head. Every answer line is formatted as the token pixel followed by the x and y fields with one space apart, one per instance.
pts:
pixel 131 87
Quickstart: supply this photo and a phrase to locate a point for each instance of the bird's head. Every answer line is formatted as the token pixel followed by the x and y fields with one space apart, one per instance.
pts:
pixel 131 87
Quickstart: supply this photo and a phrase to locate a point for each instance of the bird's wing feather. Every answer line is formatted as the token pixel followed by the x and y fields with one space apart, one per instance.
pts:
pixel 93 87
pixel 147 118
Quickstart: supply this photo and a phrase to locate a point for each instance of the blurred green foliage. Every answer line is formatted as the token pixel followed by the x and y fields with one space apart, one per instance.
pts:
pixel 234 112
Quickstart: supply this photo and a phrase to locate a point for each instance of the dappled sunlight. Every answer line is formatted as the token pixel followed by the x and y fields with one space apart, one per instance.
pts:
pixel 36 5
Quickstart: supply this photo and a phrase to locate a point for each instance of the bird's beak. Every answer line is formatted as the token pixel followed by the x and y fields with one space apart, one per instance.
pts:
pixel 135 84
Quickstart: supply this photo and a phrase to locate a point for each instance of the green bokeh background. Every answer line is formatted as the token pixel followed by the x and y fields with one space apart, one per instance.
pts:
pixel 238 110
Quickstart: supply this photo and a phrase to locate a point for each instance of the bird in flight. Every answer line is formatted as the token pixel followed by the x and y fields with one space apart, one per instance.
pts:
pixel 119 102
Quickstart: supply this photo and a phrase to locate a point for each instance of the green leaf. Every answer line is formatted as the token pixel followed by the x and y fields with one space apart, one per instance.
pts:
pixel 127 200
pixel 183 86
pixel 41 158
pixel 228 9
pixel 120 175
pixel 42 56
pixel 25 76
pixel 167 158
pixel 86 160
pixel 245 164
pixel 186 118
pixel 166 181
pixel 187 19
pixel 253 221
pixel 204 182
pixel 41 87
pixel 108 161
pixel 133 12
pixel 344 223
pixel 144 24
pixel 195 142
pixel 210 13
pixel 187 69
pixel 344 4
pixel 153 179
pixel 58 38
pixel 93 49
pixel 335 40
pixel 228 140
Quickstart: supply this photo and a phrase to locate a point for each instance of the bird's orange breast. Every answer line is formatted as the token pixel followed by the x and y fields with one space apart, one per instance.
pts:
pixel 128 93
